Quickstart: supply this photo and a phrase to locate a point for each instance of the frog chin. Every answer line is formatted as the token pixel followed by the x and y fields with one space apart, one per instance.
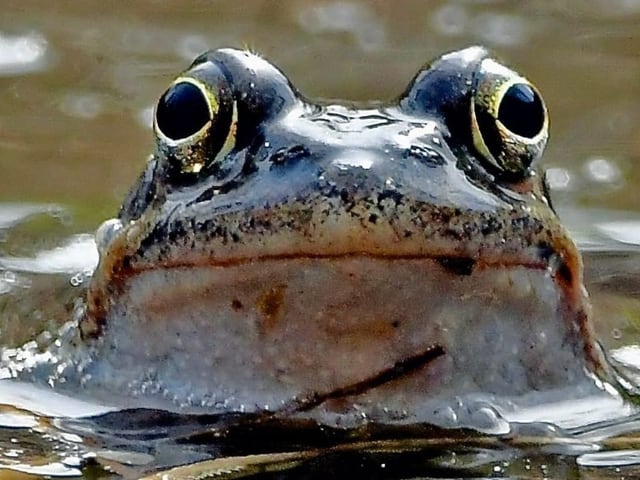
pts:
pixel 305 335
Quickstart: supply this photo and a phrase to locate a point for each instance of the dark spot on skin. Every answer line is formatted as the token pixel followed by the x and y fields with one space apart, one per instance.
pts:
pixel 91 327
pixel 545 252
pixel 125 264
pixel 562 270
pixel 287 155
pixel 209 193
pixel 269 305
pixel 490 226
pixel 395 324
pixel 564 273
pixel 205 196
pixel 345 196
pixel 392 194
pixel 248 167
pixel 425 155
pixel 236 305
pixel 458 265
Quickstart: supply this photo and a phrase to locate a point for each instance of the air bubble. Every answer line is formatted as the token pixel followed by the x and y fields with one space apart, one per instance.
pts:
pixel 358 21
pixel 22 54
pixel 86 106
pixel 76 280
pixel 501 29
pixel 450 20
pixel 558 179
pixel 602 170
pixel 9 277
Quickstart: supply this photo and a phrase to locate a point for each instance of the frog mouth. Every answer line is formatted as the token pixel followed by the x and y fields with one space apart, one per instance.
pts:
pixel 328 330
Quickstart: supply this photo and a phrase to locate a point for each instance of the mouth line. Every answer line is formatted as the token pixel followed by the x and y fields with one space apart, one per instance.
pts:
pixel 460 264
pixel 114 277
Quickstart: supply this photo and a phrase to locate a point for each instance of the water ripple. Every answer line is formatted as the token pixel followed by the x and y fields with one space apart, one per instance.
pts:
pixel 616 458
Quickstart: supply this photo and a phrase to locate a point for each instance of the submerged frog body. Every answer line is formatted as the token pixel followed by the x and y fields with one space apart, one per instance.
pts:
pixel 309 258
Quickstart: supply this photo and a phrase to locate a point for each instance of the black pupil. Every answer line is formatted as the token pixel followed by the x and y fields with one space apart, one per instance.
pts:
pixel 182 111
pixel 521 110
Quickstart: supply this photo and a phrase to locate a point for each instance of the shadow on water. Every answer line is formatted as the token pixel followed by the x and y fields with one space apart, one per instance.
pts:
pixel 78 81
pixel 132 443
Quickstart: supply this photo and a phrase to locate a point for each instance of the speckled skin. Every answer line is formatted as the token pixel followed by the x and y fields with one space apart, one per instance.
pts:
pixel 308 185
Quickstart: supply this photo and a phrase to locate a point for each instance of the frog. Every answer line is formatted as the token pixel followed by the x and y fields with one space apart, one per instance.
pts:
pixel 338 261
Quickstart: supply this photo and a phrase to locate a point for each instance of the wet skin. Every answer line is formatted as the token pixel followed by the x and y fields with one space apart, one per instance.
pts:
pixel 285 254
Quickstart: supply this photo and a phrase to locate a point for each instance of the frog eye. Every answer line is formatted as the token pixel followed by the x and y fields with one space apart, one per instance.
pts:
pixel 183 110
pixel 509 120
pixel 194 123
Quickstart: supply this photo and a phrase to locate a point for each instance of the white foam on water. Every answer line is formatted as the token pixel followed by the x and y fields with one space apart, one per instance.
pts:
pixel 44 401
pixel 79 254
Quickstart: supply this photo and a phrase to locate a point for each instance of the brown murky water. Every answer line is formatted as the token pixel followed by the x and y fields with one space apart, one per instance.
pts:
pixel 78 81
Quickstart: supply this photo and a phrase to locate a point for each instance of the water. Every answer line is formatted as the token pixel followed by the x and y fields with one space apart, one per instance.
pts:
pixel 78 81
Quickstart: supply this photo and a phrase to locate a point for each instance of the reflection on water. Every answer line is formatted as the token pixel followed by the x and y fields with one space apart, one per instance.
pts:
pixel 353 19
pixel 22 54
pixel 78 82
